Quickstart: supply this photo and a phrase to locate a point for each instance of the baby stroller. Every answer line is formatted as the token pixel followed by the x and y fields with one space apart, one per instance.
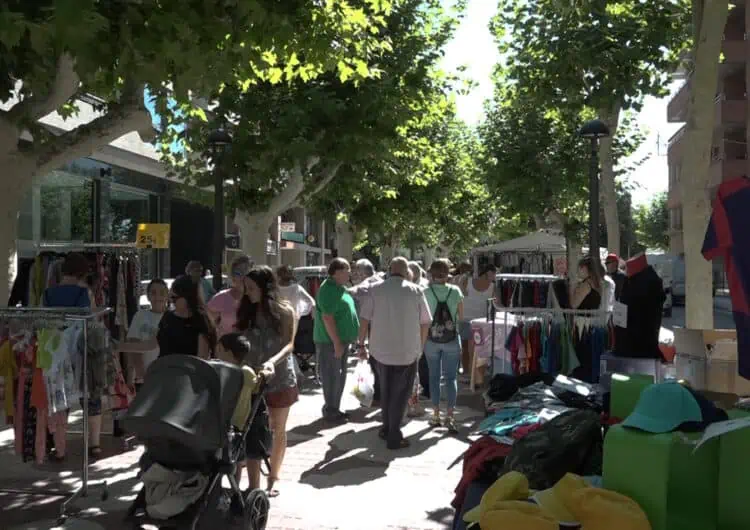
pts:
pixel 186 414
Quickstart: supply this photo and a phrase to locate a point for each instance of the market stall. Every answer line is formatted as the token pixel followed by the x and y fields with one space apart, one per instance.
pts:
pixel 659 445
pixel 541 252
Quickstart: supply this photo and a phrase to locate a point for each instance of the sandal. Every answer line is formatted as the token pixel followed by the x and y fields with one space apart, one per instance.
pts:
pixel 55 459
pixel 95 451
pixel 450 423
pixel 270 490
pixel 435 420
pixel 403 444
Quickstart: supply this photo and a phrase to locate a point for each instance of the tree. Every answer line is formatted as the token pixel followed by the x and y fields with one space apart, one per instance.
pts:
pixel 537 165
pixel 709 19
pixel 652 223
pixel 56 54
pixel 450 209
pixel 292 140
pixel 600 54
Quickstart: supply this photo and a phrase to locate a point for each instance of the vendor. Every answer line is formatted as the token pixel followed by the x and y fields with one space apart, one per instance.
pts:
pixel 613 271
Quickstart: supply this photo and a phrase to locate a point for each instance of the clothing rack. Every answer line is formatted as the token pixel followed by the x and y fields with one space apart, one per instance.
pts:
pixel 547 277
pixel 62 316
pixel 493 310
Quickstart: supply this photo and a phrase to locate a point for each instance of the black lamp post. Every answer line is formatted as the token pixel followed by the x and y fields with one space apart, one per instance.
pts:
pixel 594 130
pixel 218 141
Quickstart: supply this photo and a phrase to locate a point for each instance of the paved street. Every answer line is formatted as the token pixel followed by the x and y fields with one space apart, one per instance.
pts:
pixel 722 315
pixel 339 477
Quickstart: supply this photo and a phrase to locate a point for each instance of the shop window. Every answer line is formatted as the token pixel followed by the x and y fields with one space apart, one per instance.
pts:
pixel 122 210
pixel 66 207
pixel 25 230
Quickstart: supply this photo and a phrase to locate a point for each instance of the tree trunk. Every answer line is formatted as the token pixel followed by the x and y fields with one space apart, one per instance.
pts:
pixel 388 252
pixel 254 234
pixel 573 253
pixel 698 141
pixel 13 185
pixel 344 239
pixel 608 192
pixel 429 256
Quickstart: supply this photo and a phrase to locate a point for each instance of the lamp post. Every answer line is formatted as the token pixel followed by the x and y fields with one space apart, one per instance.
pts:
pixel 594 130
pixel 218 141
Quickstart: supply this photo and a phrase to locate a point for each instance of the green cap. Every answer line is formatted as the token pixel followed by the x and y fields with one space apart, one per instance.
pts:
pixel 663 408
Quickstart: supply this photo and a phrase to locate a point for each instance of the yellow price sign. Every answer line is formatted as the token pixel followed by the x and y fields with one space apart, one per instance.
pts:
pixel 152 235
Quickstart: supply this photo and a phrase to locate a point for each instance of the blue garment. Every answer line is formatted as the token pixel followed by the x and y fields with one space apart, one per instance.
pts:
pixel 502 422
pixel 66 296
pixel 728 237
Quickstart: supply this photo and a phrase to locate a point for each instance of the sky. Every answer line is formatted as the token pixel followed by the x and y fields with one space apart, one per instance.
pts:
pixel 473 46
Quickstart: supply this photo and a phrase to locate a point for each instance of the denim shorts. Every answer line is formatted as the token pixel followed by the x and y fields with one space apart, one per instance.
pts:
pixel 95 406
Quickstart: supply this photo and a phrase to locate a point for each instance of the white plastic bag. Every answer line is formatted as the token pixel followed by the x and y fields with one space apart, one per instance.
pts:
pixel 364 386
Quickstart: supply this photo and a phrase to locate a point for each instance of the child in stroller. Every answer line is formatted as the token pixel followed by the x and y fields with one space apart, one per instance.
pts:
pixel 194 417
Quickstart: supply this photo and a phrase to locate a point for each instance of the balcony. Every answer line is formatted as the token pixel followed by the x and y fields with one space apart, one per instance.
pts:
pixel 677 107
pixel 734 52
pixel 726 168
pixel 674 146
pixel 732 112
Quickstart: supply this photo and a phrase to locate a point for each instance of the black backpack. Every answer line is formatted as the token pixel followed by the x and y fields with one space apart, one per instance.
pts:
pixel 443 328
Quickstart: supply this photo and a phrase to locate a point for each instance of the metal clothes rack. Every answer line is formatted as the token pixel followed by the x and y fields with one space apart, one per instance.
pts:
pixel 493 310
pixel 548 277
pixel 63 316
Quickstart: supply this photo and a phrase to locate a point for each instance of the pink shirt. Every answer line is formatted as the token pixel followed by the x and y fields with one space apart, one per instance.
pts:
pixel 224 304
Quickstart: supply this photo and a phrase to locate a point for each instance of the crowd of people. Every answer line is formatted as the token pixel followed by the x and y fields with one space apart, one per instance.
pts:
pixel 412 326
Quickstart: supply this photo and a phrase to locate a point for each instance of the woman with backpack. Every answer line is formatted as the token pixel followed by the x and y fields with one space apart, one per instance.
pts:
pixel 443 347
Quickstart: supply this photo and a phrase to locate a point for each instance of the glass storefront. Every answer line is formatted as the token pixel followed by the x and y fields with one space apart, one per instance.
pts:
pixel 123 209
pixel 66 207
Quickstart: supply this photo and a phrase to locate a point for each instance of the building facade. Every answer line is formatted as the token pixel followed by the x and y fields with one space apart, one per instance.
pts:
pixel 103 198
pixel 729 154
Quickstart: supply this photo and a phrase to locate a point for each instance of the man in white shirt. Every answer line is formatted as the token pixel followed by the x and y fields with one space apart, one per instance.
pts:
pixel 397 317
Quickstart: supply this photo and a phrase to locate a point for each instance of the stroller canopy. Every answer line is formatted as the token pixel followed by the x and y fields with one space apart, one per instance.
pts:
pixel 186 400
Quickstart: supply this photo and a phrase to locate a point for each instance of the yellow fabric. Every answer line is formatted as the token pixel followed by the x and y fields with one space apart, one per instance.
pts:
pixel 8 372
pixel 512 486
pixel 556 499
pixel 518 515
pixel 48 340
pixel 600 509
pixel 245 401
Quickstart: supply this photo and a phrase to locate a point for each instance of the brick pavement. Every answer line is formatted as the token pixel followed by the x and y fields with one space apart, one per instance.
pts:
pixel 333 478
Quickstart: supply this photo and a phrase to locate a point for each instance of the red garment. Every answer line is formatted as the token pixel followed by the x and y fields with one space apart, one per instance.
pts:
pixel 636 265
pixel 523 430
pixel 483 450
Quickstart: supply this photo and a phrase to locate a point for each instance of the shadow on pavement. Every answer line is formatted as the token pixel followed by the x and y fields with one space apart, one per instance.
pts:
pixel 442 516
pixel 365 466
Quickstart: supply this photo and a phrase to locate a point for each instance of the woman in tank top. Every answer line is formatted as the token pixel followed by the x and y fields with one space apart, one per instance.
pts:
pixel 476 293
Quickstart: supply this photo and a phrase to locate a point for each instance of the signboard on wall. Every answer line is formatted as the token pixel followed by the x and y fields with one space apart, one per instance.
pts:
pixel 295 237
pixel 287 227
pixel 152 235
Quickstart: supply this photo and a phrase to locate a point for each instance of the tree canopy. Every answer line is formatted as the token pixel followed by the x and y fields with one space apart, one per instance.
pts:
pixel 652 223
pixel 292 139
pixel 600 55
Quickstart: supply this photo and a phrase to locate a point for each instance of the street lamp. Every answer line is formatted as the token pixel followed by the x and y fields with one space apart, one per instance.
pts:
pixel 594 130
pixel 218 142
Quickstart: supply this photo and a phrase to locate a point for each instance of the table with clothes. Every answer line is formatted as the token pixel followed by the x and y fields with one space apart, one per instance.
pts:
pixel 542 461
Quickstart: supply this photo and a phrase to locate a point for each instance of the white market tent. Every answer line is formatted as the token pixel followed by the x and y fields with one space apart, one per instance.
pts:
pixel 549 242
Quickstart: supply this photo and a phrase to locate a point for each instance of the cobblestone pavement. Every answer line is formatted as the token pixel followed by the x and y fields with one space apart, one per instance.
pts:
pixel 333 478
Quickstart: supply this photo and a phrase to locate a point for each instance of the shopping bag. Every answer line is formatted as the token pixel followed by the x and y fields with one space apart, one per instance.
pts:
pixel 364 386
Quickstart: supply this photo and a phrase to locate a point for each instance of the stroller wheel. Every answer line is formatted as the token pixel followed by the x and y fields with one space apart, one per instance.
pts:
pixel 256 509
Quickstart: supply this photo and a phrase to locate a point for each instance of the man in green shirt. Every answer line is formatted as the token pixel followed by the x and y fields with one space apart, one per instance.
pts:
pixel 336 328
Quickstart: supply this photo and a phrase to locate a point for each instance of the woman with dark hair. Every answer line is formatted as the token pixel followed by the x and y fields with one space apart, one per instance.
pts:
pixel 269 325
pixel 587 293
pixel 186 329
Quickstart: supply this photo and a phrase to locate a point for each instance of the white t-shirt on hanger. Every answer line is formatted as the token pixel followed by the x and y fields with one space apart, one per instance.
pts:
pixel 145 326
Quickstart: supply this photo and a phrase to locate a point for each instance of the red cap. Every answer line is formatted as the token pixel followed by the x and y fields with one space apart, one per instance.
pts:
pixel 612 257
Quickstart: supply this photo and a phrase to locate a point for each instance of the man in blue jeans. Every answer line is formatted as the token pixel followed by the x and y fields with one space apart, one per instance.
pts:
pixel 336 328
